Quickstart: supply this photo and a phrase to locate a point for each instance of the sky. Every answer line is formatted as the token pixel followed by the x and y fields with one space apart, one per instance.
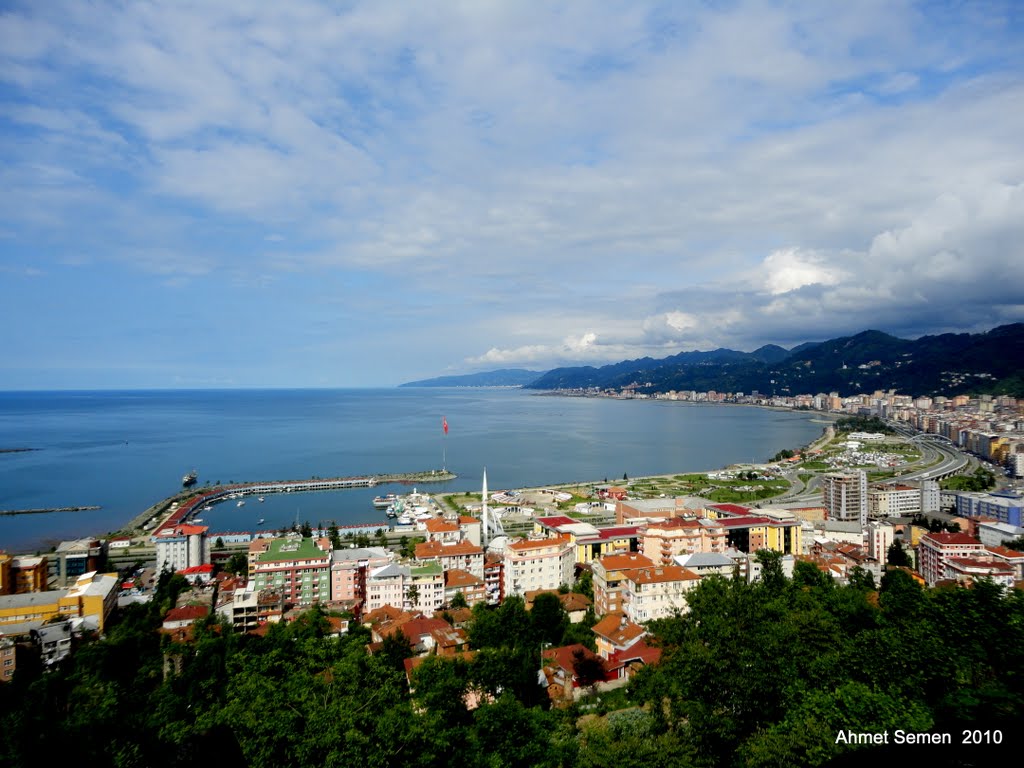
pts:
pixel 313 194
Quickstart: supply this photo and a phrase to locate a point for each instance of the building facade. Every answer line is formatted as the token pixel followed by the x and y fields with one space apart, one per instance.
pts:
pixel 297 568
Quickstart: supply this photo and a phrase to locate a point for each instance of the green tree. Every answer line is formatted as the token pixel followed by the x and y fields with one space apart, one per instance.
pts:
pixel 459 600
pixel 548 618
pixel 897 556
pixel 237 564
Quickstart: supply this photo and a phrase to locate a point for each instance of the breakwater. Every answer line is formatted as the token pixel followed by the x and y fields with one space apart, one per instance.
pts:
pixel 183 505
pixel 46 510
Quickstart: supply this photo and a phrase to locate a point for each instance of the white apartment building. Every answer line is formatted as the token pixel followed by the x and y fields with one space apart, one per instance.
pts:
pixel 656 593
pixel 181 547
pixel 934 549
pixel 893 500
pixel 878 537
pixel 846 495
pixel 418 588
pixel 532 564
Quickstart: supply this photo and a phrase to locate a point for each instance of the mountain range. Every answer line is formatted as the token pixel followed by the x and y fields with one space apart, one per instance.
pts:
pixel 946 364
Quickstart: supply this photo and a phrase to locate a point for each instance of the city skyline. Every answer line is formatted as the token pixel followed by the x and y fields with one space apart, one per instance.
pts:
pixel 224 195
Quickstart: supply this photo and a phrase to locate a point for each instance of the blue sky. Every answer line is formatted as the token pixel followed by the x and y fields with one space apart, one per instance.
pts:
pixel 320 194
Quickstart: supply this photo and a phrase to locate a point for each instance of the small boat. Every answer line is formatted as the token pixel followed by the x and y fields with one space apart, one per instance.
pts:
pixel 240 504
pixel 189 479
pixel 207 508
pixel 197 520
pixel 260 521
pixel 260 499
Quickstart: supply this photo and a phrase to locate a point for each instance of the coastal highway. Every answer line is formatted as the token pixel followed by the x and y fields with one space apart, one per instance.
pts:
pixel 939 459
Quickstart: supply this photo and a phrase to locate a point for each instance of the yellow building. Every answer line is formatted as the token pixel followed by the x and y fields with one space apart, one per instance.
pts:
pixel 590 542
pixel 92 598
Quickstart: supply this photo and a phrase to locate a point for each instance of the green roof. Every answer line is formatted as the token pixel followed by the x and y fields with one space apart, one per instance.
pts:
pixel 292 549
pixel 432 568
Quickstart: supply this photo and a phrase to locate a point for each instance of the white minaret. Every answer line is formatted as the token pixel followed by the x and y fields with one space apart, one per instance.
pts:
pixel 485 523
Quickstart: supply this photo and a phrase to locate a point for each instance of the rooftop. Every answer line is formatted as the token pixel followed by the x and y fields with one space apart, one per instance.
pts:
pixel 292 548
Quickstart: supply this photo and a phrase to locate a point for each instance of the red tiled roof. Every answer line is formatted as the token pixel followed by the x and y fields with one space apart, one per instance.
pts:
pixel 437 525
pixel 197 569
pixel 625 560
pixel 731 509
pixel 556 520
pixel 618 531
pixel 430 549
pixel 951 538
pixel 527 544
pixel 187 613
pixel 456 577
pixel 612 628
pixel 660 574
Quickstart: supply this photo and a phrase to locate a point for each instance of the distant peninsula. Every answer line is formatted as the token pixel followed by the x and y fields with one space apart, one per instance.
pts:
pixel 506 377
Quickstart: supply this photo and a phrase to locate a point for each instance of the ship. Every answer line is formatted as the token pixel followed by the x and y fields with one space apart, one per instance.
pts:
pixel 189 479
pixel 383 502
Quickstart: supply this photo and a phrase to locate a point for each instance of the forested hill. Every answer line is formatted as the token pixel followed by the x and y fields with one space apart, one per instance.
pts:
pixel 506 377
pixel 948 364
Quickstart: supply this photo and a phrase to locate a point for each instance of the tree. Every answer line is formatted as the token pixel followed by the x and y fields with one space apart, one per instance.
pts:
pixel 412 595
pixel 548 618
pixel 237 564
pixel 219 543
pixel 588 668
pixel 307 529
pixel 459 600
pixel 772 577
pixel 333 535
pixel 897 556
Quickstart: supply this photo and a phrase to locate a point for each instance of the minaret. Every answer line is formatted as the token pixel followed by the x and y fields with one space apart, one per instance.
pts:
pixel 484 521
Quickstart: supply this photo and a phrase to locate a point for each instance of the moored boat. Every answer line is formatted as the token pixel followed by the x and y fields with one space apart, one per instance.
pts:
pixel 383 502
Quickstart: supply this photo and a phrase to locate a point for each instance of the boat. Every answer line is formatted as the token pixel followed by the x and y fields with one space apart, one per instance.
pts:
pixel 189 479
pixel 198 520
pixel 240 504
pixel 207 508
pixel 260 521
pixel 260 499
pixel 383 502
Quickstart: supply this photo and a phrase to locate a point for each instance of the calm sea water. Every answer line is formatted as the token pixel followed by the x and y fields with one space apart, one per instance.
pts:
pixel 124 451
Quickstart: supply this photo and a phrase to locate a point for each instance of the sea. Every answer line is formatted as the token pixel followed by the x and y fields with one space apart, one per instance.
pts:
pixel 125 450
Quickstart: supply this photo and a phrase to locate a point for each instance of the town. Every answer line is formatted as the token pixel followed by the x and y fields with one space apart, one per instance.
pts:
pixel 581 588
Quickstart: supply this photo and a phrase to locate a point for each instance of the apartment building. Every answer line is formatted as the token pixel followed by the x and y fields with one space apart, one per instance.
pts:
pixel 297 567
pixel 657 592
pixel 608 574
pixel 349 568
pixel 538 564
pixel 936 549
pixel 662 541
pixel 181 546
pixel 893 500
pixel 450 555
pixel 846 495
